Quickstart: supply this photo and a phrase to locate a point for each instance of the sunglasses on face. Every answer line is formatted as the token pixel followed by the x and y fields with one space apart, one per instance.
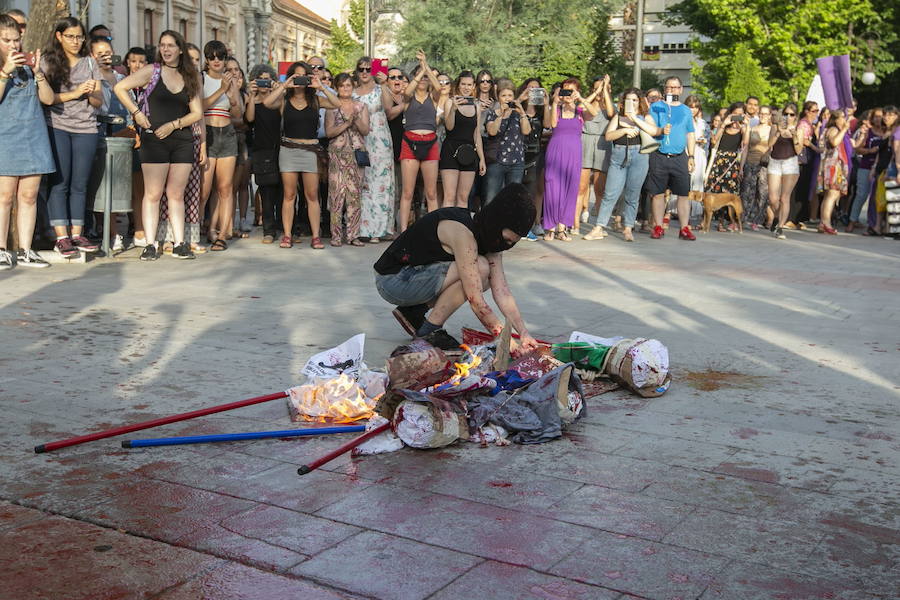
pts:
pixel 395 77
pixel 790 114
pixel 486 81
pixel 317 67
pixel 364 69
pixel 443 82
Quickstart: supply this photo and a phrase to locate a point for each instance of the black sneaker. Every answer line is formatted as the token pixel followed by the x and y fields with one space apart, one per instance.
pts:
pixel 150 253
pixel 410 317
pixel 182 251
pixel 774 225
pixel 442 340
pixel 779 233
pixel 30 258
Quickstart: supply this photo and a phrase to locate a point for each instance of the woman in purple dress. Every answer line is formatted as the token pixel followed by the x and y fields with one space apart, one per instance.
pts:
pixel 563 164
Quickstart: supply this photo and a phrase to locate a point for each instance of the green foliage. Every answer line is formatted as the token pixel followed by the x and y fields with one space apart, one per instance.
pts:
pixel 745 78
pixel 550 39
pixel 344 50
pixel 784 39
pixel 357 18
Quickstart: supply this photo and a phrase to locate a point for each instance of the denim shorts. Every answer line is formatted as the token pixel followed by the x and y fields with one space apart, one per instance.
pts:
pixel 413 285
pixel 221 142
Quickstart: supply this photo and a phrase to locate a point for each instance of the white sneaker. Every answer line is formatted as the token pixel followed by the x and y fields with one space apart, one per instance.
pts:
pixel 118 244
pixel 140 242
pixel 6 261
pixel 30 258
pixel 585 216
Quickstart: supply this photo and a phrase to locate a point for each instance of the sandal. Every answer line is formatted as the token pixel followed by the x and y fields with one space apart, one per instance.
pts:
pixel 629 237
pixel 563 236
pixel 596 233
pixel 336 243
pixel 357 242
pixel 374 240
pixel 240 234
pixel 285 242
pixel 549 236
pixel 316 243
pixel 219 245
pixel 198 249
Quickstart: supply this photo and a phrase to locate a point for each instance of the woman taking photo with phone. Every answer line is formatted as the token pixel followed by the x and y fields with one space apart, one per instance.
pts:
pixel 509 124
pixel 74 78
pixel 346 127
pixel 221 103
pixel 627 166
pixel 723 174
pixel 785 144
pixel 755 184
pixel 21 164
pixel 377 201
pixel 266 126
pixel 594 148
pixel 297 100
pixel 172 97
pixel 419 148
pixel 461 153
pixel 563 170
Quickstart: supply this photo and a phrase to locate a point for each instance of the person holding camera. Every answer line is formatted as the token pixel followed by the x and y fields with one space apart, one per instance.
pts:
pixel 167 144
pixel 785 144
pixel 594 149
pixel 74 79
pixel 298 101
pixel 346 127
pixel 21 164
pixel 627 166
pixel 266 125
pixel 755 183
pixel 673 162
pixel 562 173
pixel 726 167
pixel 461 153
pixel 509 124
pixel 834 172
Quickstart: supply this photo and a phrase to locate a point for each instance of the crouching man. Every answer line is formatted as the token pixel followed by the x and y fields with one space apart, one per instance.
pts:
pixel 447 258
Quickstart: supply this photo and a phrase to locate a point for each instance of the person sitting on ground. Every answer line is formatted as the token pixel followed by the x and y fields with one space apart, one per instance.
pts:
pixel 447 258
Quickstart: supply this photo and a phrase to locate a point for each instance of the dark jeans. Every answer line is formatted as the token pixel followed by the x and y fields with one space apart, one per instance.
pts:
pixel 271 196
pixel 73 154
pixel 499 176
pixel 803 191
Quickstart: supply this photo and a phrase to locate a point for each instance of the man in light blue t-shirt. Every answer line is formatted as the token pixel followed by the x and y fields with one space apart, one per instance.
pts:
pixel 671 165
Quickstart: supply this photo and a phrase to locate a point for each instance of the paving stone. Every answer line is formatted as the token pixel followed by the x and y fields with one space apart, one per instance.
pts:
pixel 647 569
pixel 497 580
pixel 386 567
pixel 479 529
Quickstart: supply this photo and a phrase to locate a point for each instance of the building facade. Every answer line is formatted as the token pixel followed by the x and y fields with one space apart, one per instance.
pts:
pixel 256 31
pixel 667 49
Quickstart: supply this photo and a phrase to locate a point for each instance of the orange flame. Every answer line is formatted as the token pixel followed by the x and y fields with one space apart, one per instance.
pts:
pixel 462 369
pixel 338 400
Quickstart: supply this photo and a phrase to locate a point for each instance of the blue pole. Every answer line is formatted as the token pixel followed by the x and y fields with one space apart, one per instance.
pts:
pixel 232 437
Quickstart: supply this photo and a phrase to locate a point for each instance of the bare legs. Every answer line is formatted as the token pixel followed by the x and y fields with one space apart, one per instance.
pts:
pixel 24 190
pixel 780 189
pixel 828 203
pixel 457 185
pixel 659 208
pixel 222 169
pixel 409 169
pixel 171 179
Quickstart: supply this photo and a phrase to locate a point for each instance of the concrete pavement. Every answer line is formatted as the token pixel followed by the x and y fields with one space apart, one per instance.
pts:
pixel 769 470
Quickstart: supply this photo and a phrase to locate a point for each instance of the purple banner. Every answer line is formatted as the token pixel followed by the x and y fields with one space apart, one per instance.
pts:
pixel 836 82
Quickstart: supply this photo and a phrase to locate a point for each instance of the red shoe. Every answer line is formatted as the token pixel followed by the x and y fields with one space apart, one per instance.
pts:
pixel 829 230
pixel 685 234
pixel 658 232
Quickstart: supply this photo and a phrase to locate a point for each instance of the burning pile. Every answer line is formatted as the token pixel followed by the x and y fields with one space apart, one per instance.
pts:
pixel 336 400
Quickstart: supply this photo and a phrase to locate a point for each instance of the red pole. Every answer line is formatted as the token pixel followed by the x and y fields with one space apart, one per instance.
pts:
pixel 90 437
pixel 345 448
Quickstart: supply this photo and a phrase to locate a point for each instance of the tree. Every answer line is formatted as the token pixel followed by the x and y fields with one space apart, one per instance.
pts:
pixel 42 19
pixel 343 50
pixel 784 38
pixel 745 78
pixel 357 18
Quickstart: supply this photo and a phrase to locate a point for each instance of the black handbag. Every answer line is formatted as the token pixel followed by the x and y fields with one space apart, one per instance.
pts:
pixel 465 155
pixel 264 164
pixel 362 158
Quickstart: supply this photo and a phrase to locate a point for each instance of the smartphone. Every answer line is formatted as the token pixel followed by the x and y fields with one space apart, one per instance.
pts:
pixel 670 98
pixel 536 96
pixel 784 121
pixel 737 118
pixel 264 83
pixel 468 100
pixel 29 59
pixel 565 92
pixel 630 106
pixel 511 104
pixel 301 80
pixel 379 65
pixel 115 60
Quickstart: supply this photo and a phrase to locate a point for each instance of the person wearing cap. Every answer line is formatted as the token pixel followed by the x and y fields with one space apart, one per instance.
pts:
pixel 448 258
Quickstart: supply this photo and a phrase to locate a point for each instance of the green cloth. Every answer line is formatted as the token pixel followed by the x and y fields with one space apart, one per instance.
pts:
pixel 584 354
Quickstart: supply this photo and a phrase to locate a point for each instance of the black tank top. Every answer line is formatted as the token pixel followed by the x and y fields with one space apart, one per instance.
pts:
pixel 266 128
pixel 166 107
pixel 300 124
pixel 463 129
pixel 730 142
pixel 419 245
pixel 783 148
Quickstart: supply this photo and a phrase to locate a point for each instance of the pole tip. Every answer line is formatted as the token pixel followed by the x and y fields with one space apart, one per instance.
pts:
pixel 40 449
pixel 303 470
pixel 126 443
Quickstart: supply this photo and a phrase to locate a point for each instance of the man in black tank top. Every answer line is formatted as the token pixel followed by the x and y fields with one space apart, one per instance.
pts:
pixel 447 258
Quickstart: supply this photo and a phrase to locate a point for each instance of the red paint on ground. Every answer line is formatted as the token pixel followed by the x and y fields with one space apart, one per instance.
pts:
pixel 745 433
pixel 500 484
pixel 748 473
pixel 883 535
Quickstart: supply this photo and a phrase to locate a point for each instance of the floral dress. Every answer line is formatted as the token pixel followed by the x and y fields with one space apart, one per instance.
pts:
pixel 378 187
pixel 834 170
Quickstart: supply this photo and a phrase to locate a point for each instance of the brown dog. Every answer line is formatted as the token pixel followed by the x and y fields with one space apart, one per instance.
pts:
pixel 713 202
